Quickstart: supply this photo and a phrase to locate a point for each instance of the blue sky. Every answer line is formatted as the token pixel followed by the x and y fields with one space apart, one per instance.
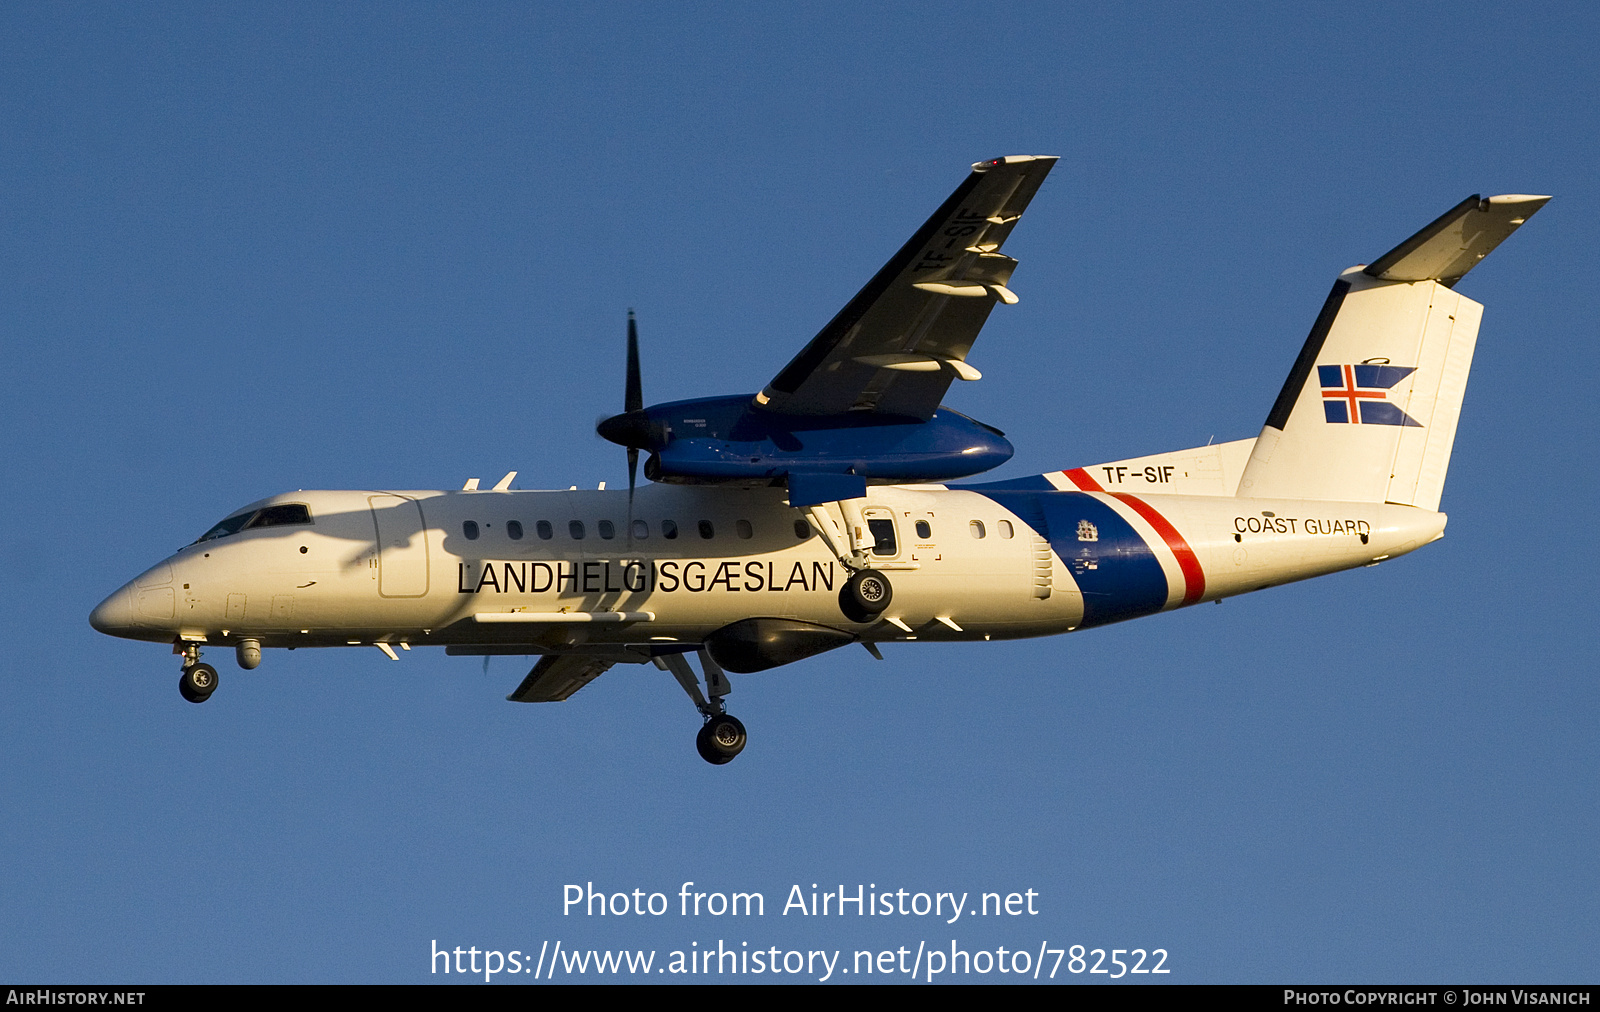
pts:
pixel 392 246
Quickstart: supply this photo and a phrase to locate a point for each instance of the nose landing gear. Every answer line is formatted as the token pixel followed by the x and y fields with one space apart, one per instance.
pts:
pixel 198 680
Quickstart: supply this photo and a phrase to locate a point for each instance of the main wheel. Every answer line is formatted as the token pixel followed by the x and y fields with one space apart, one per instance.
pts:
pixel 865 595
pixel 703 746
pixel 722 738
pixel 197 682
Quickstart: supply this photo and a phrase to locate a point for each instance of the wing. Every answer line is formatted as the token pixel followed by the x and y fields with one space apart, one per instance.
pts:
pixel 894 349
pixel 558 676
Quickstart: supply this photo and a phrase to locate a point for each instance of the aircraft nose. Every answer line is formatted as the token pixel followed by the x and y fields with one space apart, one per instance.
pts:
pixel 115 616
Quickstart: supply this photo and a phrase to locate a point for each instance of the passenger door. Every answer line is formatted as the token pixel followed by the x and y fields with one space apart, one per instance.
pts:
pixel 402 546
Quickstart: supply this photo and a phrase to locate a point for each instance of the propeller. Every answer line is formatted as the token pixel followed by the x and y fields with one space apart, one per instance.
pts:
pixel 631 428
pixel 632 400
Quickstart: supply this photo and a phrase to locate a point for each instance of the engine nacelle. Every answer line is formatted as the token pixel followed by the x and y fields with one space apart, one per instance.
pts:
pixel 729 439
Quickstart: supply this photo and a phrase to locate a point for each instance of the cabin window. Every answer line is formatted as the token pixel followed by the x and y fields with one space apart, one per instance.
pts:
pixel 1005 529
pixel 641 530
pixel 976 527
pixel 546 532
pixel 744 530
pixel 706 530
pixel 608 530
pixel 469 529
pixel 883 537
pixel 575 528
pixel 669 529
pixel 514 529
pixel 924 532
pixel 802 530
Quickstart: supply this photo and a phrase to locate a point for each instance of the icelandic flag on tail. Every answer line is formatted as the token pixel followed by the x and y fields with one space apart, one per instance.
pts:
pixel 1359 394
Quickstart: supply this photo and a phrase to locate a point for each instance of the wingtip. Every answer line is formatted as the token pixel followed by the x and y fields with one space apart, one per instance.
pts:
pixel 990 163
pixel 1520 198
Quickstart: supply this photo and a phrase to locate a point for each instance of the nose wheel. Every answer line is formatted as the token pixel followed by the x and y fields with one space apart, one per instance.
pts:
pixel 197 682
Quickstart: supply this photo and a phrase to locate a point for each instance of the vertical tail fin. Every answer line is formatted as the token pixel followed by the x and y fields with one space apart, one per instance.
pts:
pixel 1369 410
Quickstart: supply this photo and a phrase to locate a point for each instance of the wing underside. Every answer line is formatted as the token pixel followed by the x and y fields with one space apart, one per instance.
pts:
pixel 558 676
pixel 896 346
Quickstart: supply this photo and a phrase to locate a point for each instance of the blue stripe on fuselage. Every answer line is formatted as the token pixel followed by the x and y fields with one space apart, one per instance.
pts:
pixel 1118 574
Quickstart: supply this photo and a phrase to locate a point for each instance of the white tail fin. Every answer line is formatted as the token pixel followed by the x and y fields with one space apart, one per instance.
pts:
pixel 1369 411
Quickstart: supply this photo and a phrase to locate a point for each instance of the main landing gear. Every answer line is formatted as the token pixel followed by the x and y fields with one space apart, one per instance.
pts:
pixel 198 680
pixel 720 739
pixel 867 592
pixel 722 736
pixel 865 595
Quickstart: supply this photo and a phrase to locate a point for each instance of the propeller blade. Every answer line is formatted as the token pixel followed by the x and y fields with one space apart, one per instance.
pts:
pixel 632 427
pixel 632 401
pixel 633 395
pixel 633 471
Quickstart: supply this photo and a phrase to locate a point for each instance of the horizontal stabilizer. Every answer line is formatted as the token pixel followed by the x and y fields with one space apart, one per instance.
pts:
pixel 1453 243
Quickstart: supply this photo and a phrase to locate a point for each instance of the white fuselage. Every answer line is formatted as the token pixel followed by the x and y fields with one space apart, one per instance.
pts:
pixel 432 568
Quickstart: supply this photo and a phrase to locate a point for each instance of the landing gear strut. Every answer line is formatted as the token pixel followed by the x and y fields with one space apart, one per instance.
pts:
pixel 867 592
pixel 198 680
pixel 722 736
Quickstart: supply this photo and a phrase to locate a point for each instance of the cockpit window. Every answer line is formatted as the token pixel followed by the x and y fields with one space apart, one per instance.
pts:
pixel 281 515
pixel 229 526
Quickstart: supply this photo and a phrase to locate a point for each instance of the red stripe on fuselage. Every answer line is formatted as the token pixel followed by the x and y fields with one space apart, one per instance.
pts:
pixel 1194 578
pixel 1079 477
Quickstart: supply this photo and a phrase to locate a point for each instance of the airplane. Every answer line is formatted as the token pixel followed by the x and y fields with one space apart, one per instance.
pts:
pixel 820 513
